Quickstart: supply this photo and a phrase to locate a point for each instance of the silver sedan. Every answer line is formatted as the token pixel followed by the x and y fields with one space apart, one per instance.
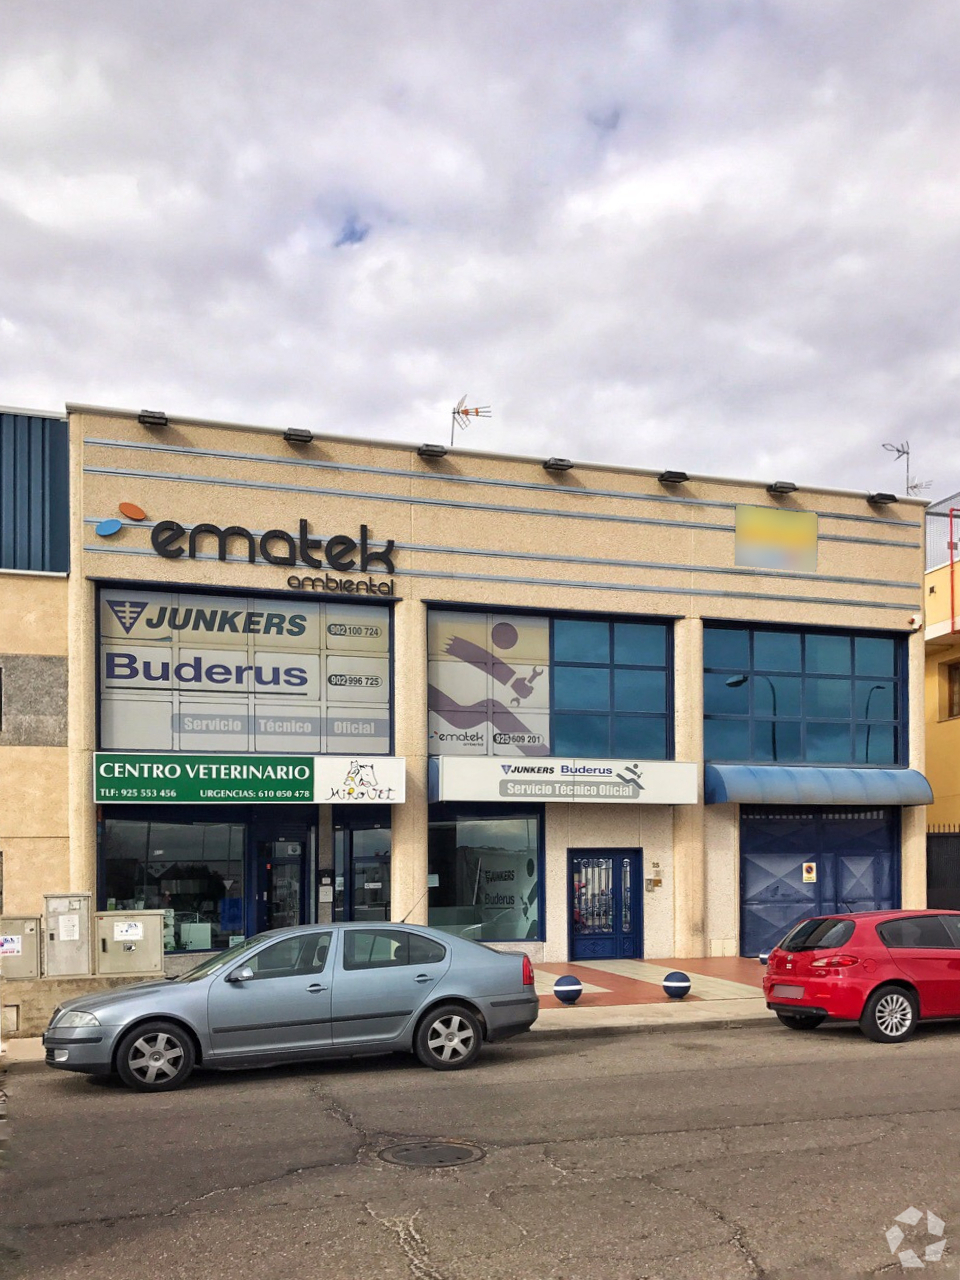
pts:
pixel 298 994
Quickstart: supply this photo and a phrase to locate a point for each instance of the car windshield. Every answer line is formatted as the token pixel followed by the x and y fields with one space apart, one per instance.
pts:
pixel 214 963
pixel 816 935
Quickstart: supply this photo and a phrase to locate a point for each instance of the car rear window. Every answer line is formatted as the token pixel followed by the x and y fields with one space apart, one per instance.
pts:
pixel 815 935
pixel 914 931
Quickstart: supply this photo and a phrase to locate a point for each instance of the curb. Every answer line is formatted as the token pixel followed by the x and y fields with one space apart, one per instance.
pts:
pixel 21 1064
pixel 732 1023
pixel 573 1032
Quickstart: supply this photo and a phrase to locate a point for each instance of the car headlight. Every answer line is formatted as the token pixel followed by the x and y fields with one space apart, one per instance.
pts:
pixel 75 1018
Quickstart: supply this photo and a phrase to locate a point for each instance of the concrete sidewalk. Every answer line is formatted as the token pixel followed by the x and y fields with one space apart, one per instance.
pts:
pixel 679 1015
pixel 618 996
pixel 628 995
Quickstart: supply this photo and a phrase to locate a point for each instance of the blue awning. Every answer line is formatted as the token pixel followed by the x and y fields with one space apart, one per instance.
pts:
pixel 804 784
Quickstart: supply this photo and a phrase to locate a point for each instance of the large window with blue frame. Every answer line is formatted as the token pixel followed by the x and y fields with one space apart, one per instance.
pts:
pixel 535 684
pixel 485 871
pixel 611 691
pixel 773 695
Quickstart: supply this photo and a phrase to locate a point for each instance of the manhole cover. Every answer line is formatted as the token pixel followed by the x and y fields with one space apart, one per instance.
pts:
pixel 433 1155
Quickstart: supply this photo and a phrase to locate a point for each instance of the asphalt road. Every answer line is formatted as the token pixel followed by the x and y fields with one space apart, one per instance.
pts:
pixel 698 1154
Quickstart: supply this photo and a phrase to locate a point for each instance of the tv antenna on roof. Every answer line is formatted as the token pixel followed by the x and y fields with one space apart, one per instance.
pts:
pixel 913 485
pixel 460 415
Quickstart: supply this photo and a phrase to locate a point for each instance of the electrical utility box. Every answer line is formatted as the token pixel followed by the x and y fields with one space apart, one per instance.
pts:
pixel 129 942
pixel 66 935
pixel 20 947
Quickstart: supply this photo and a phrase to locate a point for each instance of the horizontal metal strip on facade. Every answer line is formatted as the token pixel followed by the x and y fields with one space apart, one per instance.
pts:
pixel 407 501
pixel 546 557
pixel 448 479
pixel 560 582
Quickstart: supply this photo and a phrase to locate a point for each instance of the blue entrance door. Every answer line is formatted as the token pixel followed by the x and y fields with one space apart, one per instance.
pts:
pixel 605 904
pixel 797 863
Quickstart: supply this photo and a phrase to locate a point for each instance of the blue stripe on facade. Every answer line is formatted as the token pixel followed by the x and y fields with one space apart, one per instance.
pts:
pixel 497 508
pixel 575 584
pixel 443 477
pixel 547 558
pixel 34 494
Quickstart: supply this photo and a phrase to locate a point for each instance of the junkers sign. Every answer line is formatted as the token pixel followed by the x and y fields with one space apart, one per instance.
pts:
pixel 555 779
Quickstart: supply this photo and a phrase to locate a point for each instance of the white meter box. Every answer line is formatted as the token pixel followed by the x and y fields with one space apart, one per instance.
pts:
pixel 129 942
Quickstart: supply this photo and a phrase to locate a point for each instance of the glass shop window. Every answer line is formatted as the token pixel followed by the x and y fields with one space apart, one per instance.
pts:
pixel 193 871
pixel 485 874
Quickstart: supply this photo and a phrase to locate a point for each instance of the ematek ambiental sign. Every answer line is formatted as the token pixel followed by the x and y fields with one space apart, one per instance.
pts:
pixel 160 778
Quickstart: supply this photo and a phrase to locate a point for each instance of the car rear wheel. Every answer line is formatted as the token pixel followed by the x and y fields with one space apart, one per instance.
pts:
pixel 156 1057
pixel 891 1014
pixel 449 1038
pixel 801 1021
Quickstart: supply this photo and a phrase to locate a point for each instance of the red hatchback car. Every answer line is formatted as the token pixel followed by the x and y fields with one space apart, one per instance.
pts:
pixel 883 969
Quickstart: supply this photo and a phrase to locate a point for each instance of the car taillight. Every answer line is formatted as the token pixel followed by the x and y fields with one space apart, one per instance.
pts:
pixel 834 962
pixel 527 972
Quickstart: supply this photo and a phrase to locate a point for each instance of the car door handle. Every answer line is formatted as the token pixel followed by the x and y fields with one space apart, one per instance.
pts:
pixel 316 986
pixel 423 977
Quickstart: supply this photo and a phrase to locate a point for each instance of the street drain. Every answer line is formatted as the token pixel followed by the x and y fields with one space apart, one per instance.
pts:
pixel 432 1155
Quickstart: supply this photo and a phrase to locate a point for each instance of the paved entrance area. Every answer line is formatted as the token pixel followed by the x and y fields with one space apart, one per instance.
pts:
pixel 609 983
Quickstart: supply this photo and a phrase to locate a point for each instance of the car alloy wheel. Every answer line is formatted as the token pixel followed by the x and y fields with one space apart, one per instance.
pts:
pixel 449 1038
pixel 155 1057
pixel 890 1015
pixel 894 1014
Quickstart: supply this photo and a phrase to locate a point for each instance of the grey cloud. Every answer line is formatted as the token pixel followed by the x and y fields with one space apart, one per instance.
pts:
pixel 719 236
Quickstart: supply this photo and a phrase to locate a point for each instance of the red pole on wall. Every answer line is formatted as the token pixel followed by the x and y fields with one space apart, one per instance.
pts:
pixel 950 545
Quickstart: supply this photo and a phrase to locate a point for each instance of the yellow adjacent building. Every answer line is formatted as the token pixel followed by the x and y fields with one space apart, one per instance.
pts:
pixel 942 699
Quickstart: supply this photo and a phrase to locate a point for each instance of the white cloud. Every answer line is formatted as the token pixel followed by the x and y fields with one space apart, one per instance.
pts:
pixel 719 235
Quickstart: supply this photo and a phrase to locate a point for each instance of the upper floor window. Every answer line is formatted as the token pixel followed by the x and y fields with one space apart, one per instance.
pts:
pixel 810 697
pixel 537 685
pixel 34 493
pixel 949 690
pixel 610 689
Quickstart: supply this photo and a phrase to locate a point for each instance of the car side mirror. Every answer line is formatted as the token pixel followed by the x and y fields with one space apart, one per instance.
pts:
pixel 240 975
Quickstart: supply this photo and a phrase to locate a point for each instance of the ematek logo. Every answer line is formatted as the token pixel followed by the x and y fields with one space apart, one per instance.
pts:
pixel 107 528
pixel 127 612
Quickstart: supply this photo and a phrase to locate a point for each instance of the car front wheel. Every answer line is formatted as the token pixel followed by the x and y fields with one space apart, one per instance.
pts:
pixel 890 1015
pixel 801 1021
pixel 449 1038
pixel 156 1057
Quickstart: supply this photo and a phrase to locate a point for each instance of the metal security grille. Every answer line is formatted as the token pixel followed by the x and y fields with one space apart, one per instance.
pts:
pixel 943 868
pixel 853 854
pixel 34 493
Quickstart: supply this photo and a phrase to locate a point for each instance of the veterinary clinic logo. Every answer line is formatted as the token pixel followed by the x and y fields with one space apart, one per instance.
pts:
pixel 361 783
pixel 107 528
pixel 909 1258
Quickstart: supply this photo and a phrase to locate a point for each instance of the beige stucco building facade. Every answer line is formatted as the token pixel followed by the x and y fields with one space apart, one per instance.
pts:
pixel 497 638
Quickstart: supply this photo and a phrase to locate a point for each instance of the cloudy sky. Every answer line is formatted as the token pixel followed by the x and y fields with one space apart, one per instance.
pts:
pixel 720 236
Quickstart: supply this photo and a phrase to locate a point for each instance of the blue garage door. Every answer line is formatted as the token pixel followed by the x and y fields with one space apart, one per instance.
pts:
pixel 854 854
